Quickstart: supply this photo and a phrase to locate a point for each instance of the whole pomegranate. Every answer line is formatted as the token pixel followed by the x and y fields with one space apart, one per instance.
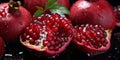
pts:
pixel 2 47
pixel 93 12
pixel 31 4
pixel 13 19
pixel 48 34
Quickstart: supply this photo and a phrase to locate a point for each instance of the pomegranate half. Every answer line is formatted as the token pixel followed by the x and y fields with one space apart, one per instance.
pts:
pixel 92 38
pixel 48 34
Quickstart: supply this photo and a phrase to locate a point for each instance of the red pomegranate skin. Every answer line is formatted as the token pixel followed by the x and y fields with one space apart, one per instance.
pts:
pixel 12 25
pixel 2 47
pixel 93 12
pixel 31 4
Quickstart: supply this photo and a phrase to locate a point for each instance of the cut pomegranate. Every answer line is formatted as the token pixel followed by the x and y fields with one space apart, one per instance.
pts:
pixel 49 34
pixel 2 47
pixel 13 19
pixel 92 38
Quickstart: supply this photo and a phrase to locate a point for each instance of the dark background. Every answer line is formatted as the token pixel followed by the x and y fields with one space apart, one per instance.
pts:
pixel 113 2
pixel 19 52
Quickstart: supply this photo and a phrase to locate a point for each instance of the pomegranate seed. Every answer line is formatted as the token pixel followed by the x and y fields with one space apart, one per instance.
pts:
pixel 4 14
pixel 54 28
pixel 46 43
pixel 35 36
pixel 63 22
pixel 51 47
pixel 82 37
pixel 52 43
pixel 65 39
pixel 84 42
pixel 49 37
pixel 36 43
pixel 55 16
pixel 56 48
pixel 31 41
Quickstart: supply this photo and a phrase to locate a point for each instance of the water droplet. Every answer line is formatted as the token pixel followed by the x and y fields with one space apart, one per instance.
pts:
pixel 98 6
pixel 100 16
pixel 20 52
pixel 115 48
pixel 88 54
pixel 8 55
pixel 52 57
pixel 109 56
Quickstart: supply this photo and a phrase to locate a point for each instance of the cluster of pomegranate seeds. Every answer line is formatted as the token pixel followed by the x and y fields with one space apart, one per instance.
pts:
pixel 3 11
pixel 91 35
pixel 51 31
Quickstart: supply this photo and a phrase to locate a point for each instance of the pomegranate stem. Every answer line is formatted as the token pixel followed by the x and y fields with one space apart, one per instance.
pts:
pixel 14 6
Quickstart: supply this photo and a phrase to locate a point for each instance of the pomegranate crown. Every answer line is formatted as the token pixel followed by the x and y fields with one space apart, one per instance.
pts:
pixel 14 6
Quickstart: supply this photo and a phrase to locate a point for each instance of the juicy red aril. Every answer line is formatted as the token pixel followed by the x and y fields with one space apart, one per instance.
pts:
pixel 51 31
pixel 91 35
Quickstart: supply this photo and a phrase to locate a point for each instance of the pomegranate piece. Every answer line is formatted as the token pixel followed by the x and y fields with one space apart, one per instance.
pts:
pixel 31 4
pixel 92 38
pixel 93 12
pixel 48 34
pixel 13 19
pixel 2 47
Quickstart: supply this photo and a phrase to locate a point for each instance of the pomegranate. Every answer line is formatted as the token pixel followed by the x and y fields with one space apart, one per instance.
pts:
pixel 31 4
pixel 93 12
pixel 2 47
pixel 13 19
pixel 48 34
pixel 117 15
pixel 92 38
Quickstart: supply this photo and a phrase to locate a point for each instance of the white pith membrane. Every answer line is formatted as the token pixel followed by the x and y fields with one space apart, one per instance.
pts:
pixel 88 39
pixel 42 26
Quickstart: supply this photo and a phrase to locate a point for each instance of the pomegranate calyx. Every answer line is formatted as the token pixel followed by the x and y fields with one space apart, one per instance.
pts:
pixel 14 6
